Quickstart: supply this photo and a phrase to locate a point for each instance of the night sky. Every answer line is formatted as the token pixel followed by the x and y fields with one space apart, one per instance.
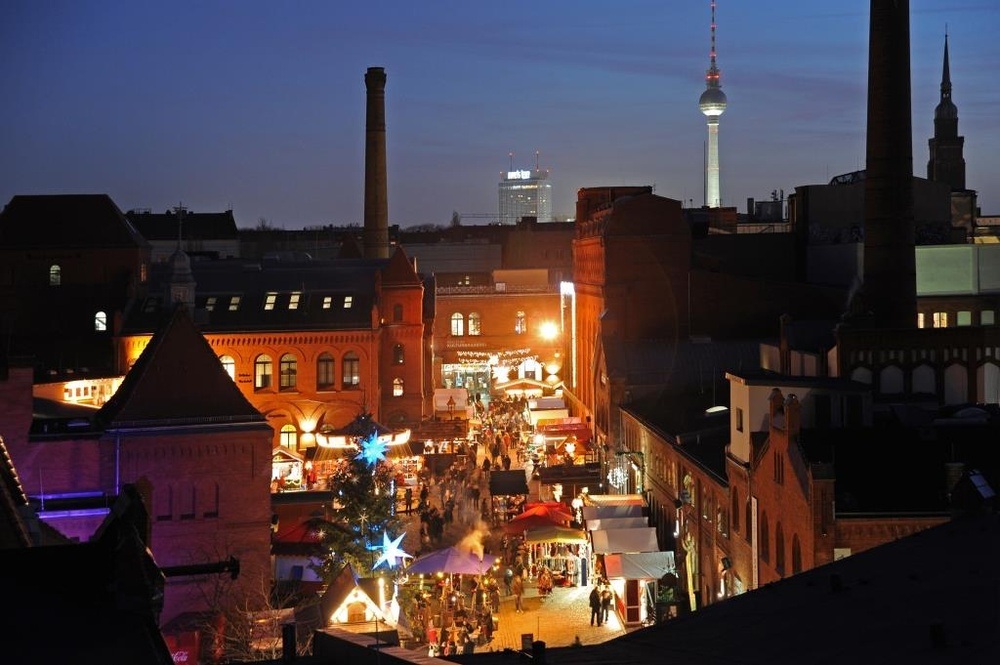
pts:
pixel 259 106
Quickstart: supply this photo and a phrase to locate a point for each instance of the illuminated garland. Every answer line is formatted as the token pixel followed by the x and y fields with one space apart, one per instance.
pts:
pixel 511 358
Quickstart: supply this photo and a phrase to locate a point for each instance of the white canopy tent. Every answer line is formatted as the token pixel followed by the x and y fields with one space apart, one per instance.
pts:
pixel 618 541
pixel 617 523
pixel 601 512
pixel 639 566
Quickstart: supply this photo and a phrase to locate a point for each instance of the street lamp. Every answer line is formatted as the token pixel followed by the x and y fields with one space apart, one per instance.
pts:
pixel 641 467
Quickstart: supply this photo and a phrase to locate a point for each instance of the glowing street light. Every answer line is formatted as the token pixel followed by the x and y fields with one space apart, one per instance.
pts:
pixel 549 331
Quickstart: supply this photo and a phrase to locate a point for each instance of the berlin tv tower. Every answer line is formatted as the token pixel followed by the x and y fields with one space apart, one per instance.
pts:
pixel 712 103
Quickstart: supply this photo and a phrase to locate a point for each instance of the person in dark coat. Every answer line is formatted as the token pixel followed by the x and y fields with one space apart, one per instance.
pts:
pixel 595 607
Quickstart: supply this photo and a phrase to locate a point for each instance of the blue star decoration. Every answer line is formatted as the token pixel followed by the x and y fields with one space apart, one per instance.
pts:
pixel 391 551
pixel 372 451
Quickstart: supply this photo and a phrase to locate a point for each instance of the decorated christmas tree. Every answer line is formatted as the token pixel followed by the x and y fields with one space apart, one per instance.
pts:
pixel 363 485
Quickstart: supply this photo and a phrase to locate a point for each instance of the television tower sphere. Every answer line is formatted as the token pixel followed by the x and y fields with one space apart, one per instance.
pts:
pixel 712 102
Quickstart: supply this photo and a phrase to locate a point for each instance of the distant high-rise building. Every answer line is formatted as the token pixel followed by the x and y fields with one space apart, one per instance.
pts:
pixel 525 193
pixel 712 103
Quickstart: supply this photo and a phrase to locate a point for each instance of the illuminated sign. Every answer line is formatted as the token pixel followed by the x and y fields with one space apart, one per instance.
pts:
pixel 518 175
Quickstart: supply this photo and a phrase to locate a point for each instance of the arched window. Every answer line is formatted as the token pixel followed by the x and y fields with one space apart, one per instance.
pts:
pixel 324 371
pixel 287 370
pixel 55 275
pixel 352 370
pixel 100 322
pixel 796 555
pixel 289 436
pixel 765 552
pixel 457 324
pixel 263 371
pixel 475 323
pixel 397 354
pixel 779 548
pixel 397 313
pixel 229 364
pixel 520 323
pixel 397 387
pixel 734 509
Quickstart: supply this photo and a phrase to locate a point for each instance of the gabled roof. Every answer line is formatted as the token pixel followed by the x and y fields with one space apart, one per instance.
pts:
pixel 178 380
pixel 66 221
pixel 399 271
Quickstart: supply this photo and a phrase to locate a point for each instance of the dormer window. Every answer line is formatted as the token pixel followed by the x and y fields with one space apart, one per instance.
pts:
pixel 269 300
pixel 234 303
pixel 327 302
pixel 100 321
pixel 55 275
pixel 210 303
pixel 293 300
pixel 348 301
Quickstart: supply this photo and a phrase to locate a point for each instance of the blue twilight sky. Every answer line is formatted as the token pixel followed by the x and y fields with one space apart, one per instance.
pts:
pixel 259 106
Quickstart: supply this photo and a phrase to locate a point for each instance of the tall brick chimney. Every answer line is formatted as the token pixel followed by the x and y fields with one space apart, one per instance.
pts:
pixel 890 284
pixel 376 233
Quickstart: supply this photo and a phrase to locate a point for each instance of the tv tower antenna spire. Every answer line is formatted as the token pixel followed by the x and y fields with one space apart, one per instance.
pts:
pixel 712 104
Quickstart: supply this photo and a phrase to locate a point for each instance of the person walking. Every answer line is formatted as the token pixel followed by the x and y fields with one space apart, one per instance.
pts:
pixel 605 603
pixel 517 586
pixel 595 606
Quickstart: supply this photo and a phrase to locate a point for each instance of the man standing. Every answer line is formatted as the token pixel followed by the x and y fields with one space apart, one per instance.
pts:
pixel 595 606
pixel 518 588
pixel 605 603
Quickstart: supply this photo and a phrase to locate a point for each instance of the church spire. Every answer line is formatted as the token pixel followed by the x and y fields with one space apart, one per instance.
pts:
pixel 946 162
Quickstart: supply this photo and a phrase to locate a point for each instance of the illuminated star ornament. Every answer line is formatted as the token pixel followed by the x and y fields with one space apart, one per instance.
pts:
pixel 372 451
pixel 391 551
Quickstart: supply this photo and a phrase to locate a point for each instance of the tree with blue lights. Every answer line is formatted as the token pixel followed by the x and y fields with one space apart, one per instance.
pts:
pixel 363 485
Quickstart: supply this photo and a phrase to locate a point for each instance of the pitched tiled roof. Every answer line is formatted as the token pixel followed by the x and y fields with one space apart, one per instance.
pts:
pixel 332 295
pixel 66 220
pixel 178 380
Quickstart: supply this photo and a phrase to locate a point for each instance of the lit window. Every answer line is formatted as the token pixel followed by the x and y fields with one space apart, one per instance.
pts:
pixel 143 273
pixel 229 364
pixel 289 436
pixel 263 371
pixel 327 302
pixel 324 371
pixel 55 275
pixel 397 354
pixel 234 303
pixel 457 324
pixel 475 324
pixel 210 303
pixel 293 300
pixel 269 300
pixel 397 387
pixel 287 370
pixel 964 318
pixel 352 370
pixel 520 323
pixel 920 320
pixel 348 301
pixel 986 317
pixel 100 322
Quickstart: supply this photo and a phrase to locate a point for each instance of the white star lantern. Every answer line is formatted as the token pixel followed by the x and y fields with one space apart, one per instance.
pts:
pixel 391 551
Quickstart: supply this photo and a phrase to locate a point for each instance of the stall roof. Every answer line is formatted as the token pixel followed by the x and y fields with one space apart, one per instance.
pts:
pixel 506 483
pixel 625 541
pixel 616 499
pixel 604 512
pixel 555 534
pixel 617 523
pixel 641 566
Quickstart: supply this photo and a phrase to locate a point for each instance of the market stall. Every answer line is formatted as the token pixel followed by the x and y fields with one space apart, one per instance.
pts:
pixel 591 513
pixel 563 551
pixel 634 578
